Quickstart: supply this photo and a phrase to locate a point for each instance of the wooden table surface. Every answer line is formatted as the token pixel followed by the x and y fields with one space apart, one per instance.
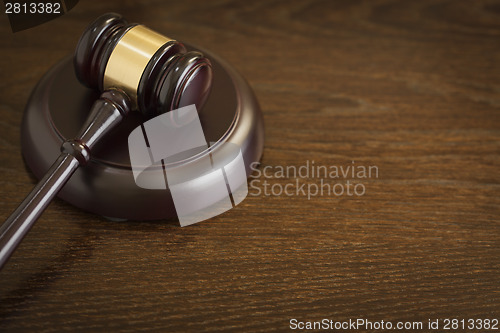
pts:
pixel 411 87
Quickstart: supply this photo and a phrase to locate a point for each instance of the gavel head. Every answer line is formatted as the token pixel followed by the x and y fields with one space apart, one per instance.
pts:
pixel 156 72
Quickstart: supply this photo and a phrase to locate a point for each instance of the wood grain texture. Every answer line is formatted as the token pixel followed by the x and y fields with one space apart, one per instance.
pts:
pixel 412 87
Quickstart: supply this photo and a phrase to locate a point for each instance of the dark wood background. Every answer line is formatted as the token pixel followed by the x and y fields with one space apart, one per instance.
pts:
pixel 412 87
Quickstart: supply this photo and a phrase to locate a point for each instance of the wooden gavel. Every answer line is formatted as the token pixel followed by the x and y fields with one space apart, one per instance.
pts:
pixel 135 68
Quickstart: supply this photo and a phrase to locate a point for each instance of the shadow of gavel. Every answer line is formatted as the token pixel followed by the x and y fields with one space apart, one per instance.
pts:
pixel 135 68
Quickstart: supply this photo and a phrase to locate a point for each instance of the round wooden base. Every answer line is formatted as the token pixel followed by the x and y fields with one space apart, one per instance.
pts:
pixel 58 106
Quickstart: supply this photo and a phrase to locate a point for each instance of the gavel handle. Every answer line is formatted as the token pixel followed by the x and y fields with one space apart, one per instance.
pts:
pixel 106 113
pixel 24 217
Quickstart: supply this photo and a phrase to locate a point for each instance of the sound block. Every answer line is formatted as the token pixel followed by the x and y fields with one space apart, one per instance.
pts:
pixel 59 105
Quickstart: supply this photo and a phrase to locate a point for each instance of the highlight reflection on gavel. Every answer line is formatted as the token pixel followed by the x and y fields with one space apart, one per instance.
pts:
pixel 136 69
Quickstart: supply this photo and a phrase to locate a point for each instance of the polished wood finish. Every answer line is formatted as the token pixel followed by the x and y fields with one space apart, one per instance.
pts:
pixel 106 185
pixel 161 75
pixel 95 46
pixel 411 87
